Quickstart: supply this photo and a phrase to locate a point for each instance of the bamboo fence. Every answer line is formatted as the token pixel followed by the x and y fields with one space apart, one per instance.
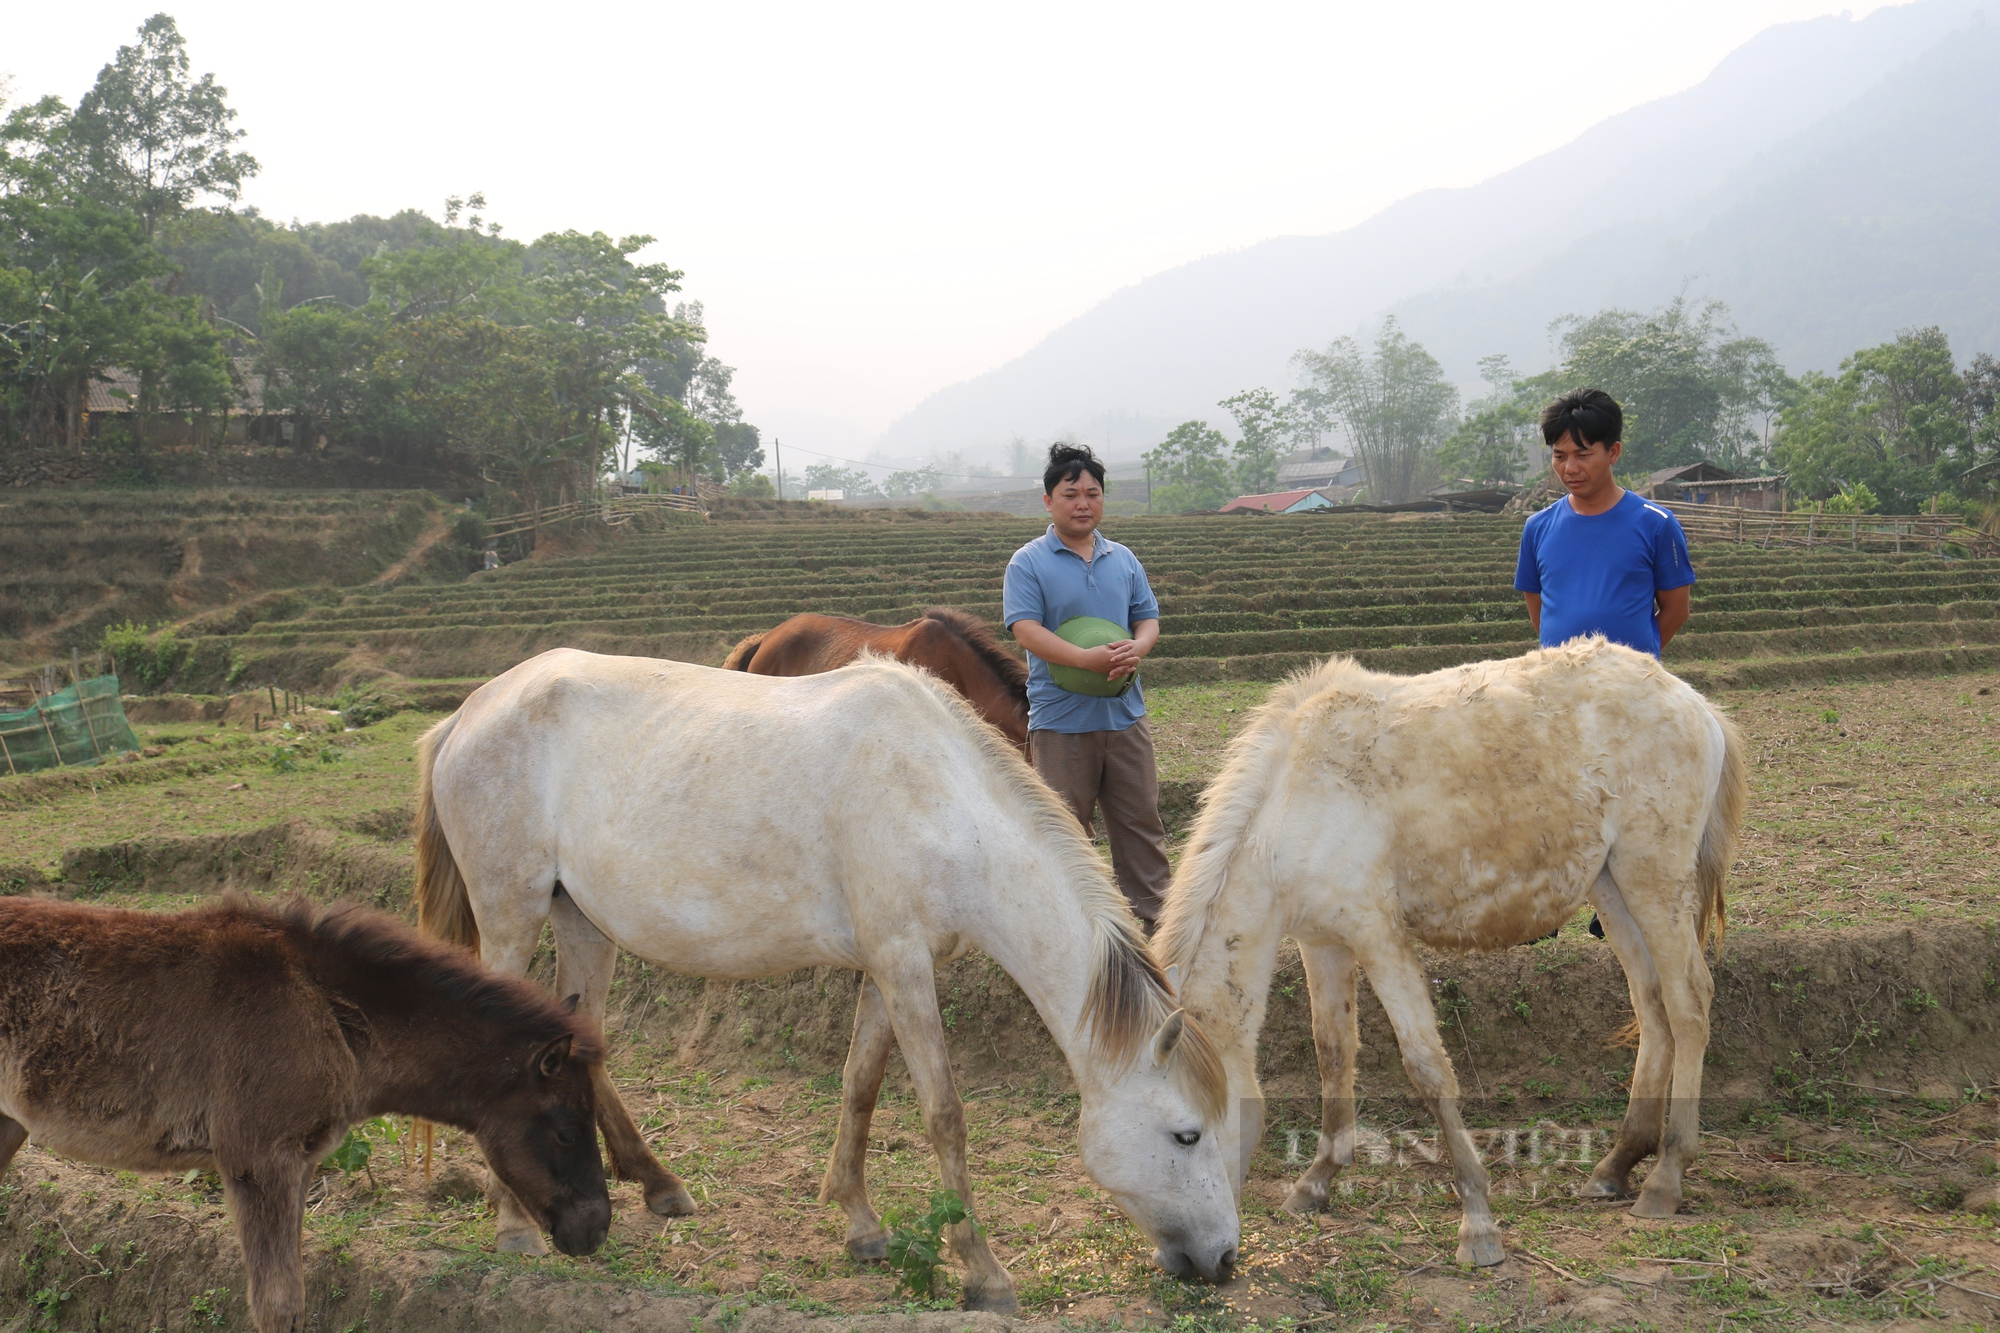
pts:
pixel 1895 533
pixel 615 510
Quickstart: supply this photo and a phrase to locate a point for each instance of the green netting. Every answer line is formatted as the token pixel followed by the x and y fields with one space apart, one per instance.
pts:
pixel 79 725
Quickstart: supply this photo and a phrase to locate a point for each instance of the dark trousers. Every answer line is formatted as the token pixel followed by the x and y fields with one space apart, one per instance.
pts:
pixel 1113 771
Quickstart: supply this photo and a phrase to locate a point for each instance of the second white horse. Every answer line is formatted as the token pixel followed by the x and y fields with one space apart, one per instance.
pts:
pixel 1472 808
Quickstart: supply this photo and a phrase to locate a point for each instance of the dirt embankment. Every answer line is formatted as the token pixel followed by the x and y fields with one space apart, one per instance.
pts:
pixel 1914 1008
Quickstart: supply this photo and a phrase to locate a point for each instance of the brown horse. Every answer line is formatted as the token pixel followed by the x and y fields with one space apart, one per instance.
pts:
pixel 960 649
pixel 246 1040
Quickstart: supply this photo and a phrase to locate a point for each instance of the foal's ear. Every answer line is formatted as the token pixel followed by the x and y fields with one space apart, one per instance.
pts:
pixel 1174 978
pixel 1169 1036
pixel 551 1057
pixel 569 1005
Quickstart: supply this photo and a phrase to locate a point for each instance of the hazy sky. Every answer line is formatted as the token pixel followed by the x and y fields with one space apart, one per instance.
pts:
pixel 877 200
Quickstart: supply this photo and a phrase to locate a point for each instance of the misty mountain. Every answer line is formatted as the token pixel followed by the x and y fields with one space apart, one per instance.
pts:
pixel 1884 215
pixel 1791 183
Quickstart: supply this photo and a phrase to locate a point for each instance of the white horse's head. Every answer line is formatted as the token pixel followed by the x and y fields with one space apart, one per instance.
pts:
pixel 1149 1136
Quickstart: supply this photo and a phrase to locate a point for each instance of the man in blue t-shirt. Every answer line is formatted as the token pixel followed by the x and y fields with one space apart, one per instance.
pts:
pixel 1600 560
pixel 1095 751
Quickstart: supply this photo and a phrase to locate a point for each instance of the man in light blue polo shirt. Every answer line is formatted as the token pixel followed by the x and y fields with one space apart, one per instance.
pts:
pixel 1095 751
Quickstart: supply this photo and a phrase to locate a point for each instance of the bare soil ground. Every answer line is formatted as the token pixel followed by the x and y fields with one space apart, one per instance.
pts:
pixel 1841 1218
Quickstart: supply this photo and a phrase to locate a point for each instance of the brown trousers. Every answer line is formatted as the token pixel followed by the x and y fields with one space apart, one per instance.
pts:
pixel 1113 770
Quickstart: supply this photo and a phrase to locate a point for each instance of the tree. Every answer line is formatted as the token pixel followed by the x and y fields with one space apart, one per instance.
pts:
pixel 80 292
pixel 151 137
pixel 915 481
pixel 1396 407
pixel 316 361
pixel 1982 401
pixel 1265 433
pixel 1897 419
pixel 1690 388
pixel 1499 440
pixel 832 477
pixel 1190 469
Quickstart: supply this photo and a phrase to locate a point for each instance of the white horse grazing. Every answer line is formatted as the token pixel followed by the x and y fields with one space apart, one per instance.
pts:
pixel 730 825
pixel 1471 808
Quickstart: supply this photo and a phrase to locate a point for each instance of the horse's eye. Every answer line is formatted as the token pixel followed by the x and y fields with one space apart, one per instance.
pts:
pixel 1187 1138
pixel 566 1137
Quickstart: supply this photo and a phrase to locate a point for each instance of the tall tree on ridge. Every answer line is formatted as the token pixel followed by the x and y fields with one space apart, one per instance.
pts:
pixel 152 137
pixel 1396 407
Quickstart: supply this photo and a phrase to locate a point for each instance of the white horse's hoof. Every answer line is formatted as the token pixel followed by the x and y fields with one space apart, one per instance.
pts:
pixel 526 1241
pixel 1481 1251
pixel 1306 1198
pixel 868 1249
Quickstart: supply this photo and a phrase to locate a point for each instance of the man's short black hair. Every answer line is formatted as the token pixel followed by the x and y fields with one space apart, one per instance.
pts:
pixel 1592 415
pixel 1067 462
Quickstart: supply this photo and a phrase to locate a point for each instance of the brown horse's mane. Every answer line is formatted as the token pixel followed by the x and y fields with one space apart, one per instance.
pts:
pixel 986 645
pixel 370 941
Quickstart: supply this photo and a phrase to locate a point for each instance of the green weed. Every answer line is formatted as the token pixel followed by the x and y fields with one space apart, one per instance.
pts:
pixel 916 1243
pixel 1354 1284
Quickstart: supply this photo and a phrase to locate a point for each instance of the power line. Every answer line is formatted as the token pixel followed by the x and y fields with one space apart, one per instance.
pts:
pixel 955 476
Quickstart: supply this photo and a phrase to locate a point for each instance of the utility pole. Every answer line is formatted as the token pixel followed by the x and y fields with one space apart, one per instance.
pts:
pixel 778 448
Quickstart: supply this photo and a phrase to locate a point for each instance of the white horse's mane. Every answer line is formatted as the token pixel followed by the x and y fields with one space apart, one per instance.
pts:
pixel 1232 800
pixel 1129 995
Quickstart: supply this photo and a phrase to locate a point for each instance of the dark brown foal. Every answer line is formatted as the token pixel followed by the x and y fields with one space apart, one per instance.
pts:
pixel 959 649
pixel 246 1040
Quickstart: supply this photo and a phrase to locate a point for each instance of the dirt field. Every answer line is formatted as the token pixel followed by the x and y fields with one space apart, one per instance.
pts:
pixel 1851 1115
pixel 1838 1220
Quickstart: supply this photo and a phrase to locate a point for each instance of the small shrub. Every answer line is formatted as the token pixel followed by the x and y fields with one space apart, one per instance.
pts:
pixel 916 1243
pixel 363 708
pixel 285 759
pixel 212 1305
pixel 152 656
pixel 357 1149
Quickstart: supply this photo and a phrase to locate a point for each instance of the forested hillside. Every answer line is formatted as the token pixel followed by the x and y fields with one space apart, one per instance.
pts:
pixel 145 313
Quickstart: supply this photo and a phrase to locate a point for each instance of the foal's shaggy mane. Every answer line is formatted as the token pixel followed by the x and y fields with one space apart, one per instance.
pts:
pixel 1129 997
pixel 373 942
pixel 979 637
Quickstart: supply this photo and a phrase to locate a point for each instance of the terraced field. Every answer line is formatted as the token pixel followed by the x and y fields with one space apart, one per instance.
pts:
pixel 1245 599
pixel 71 563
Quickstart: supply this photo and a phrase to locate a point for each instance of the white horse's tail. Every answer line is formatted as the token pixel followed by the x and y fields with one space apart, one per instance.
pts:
pixel 1718 838
pixel 444 909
